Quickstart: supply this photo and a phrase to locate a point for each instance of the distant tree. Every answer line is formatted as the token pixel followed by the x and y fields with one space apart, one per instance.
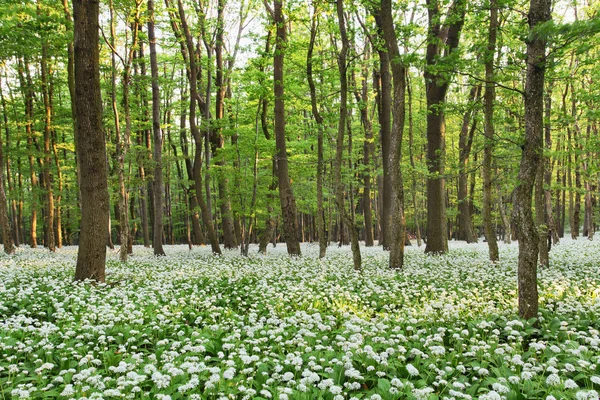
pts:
pixel 91 144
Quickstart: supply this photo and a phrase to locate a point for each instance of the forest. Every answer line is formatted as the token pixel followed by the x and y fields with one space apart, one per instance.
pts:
pixel 236 199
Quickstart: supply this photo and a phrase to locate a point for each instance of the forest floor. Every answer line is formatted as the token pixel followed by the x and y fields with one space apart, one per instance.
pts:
pixel 194 326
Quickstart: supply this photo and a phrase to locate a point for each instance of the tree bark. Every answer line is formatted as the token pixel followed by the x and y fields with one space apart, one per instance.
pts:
pixel 91 145
pixel 7 238
pixel 488 149
pixel 319 122
pixel 397 222
pixel 384 113
pixel 158 141
pixel 436 84
pixel 346 218
pixel 465 142
pixel 539 12
pixel 286 195
pixel 189 55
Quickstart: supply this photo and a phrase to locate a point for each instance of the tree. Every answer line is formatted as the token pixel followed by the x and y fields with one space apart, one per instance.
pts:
pixel 286 195
pixel 7 238
pixel 319 121
pixel 539 13
pixel 488 147
pixel 91 144
pixel 397 223
pixel 346 217
pixel 442 41
pixel 158 174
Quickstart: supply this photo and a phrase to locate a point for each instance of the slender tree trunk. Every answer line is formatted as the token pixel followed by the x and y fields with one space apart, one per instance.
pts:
pixel 346 218
pixel 506 226
pixel 550 219
pixel 576 151
pixel 91 146
pixel 319 122
pixel 188 52
pixel 540 214
pixel 465 142
pixel 362 98
pixel 488 149
pixel 158 174
pixel 384 110
pixel 412 160
pixel 539 12
pixel 26 86
pixel 7 238
pixel 286 196
pixel 229 237
pixel 49 195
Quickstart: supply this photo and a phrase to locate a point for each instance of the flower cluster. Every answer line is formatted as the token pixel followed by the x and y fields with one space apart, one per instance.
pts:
pixel 195 326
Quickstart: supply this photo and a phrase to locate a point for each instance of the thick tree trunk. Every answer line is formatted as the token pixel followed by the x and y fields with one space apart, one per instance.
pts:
pixel 436 83
pixel 397 222
pixel 539 12
pixel 91 146
pixel 158 142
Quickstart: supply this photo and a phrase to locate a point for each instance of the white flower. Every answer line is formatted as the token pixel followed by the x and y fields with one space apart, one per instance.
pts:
pixel 229 373
pixel 571 384
pixel 553 380
pixel 412 370
pixel 68 391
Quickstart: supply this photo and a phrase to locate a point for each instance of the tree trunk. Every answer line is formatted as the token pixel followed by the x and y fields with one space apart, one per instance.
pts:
pixel 540 213
pixel 550 219
pixel 229 237
pixel 286 196
pixel 412 161
pixel 436 84
pixel 158 142
pixel 91 146
pixel 488 149
pixel 49 195
pixel 465 142
pixel 189 55
pixel 362 98
pixel 7 238
pixel 397 222
pixel 27 89
pixel 539 12
pixel 319 122
pixel 384 111
pixel 346 219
